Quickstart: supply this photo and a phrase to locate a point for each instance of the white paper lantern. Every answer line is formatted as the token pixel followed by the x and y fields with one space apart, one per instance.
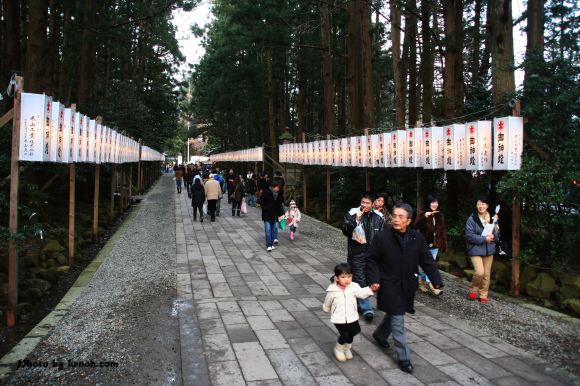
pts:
pixel 34 119
pixel 414 147
pixel 455 147
pixel 63 145
pixel 398 146
pixel 478 146
pixel 55 119
pixel 387 150
pixel 508 140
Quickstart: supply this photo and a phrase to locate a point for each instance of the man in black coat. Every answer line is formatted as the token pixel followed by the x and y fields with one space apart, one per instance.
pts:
pixel 392 268
pixel 272 209
pixel 372 223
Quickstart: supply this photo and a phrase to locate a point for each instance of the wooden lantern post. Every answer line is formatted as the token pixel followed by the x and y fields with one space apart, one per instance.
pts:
pixel 516 226
pixel 13 213
pixel 96 196
pixel 71 207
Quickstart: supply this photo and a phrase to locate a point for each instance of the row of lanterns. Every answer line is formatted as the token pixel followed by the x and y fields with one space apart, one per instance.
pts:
pixel 473 146
pixel 248 155
pixel 50 132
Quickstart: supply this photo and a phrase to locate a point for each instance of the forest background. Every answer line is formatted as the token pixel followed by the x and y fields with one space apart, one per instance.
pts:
pixel 276 68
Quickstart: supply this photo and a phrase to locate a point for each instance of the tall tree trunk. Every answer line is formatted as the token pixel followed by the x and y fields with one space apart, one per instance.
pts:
pixel 68 66
pixel 270 96
pixel 475 53
pixel 486 56
pixel 451 52
pixel 52 57
pixel 34 73
pixel 396 51
pixel 328 115
pixel 301 104
pixel 427 61
pixel 377 67
pixel 412 30
pixel 459 66
pixel 502 50
pixel 354 67
pixel 87 52
pixel 11 59
pixel 535 32
pixel 367 57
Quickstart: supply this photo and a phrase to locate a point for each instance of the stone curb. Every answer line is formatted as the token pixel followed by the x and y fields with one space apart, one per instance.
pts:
pixel 43 328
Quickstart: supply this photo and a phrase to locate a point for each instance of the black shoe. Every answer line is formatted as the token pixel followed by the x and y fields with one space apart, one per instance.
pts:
pixel 369 316
pixel 406 366
pixel 380 342
pixel 212 219
pixel 201 219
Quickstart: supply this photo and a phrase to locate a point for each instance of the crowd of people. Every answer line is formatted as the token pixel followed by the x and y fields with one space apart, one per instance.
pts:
pixel 387 256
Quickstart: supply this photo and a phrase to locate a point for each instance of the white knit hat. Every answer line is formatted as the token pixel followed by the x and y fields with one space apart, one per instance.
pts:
pixel 292 203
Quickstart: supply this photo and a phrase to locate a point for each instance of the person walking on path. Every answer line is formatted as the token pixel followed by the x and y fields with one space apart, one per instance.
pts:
pixel 188 177
pixel 237 197
pixel 379 206
pixel 392 268
pixel 481 234
pixel 371 222
pixel 293 217
pixel 251 188
pixel 178 179
pixel 222 183
pixel 341 302
pixel 431 224
pixel 231 183
pixel 197 199
pixel 213 193
pixel 271 203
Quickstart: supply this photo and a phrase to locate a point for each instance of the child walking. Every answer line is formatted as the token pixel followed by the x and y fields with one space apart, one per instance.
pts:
pixel 293 217
pixel 341 302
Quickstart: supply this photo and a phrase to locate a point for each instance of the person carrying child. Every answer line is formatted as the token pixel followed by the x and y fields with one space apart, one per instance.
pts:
pixel 292 217
pixel 341 302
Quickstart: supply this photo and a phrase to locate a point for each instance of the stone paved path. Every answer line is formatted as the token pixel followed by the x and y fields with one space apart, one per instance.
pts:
pixel 251 317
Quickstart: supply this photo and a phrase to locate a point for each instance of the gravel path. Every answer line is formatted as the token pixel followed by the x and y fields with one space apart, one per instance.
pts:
pixel 126 310
pixel 546 336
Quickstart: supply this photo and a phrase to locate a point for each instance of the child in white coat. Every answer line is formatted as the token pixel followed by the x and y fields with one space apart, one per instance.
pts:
pixel 293 217
pixel 341 302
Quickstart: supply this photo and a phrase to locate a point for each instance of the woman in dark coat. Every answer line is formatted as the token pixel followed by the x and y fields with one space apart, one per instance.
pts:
pixel 237 196
pixel 431 224
pixel 197 199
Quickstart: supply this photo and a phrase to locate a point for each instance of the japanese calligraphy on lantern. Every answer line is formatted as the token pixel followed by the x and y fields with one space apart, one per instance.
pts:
pixel 414 147
pixel 478 142
pixel 51 135
pixel 375 144
pixel 33 116
pixel 454 147
pixel 387 150
pixel 64 136
pixel 398 139
pixel 369 152
pixel 508 139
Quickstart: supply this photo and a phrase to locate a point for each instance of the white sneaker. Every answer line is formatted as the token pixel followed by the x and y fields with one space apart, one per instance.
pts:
pixel 273 247
pixel 276 242
pixel 269 249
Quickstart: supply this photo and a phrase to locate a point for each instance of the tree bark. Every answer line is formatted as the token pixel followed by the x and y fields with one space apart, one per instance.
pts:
pixel 396 51
pixel 427 61
pixel 301 103
pixel 377 68
pixel 270 94
pixel 36 47
pixel 451 52
pixel 412 65
pixel 475 53
pixel 328 115
pixel 502 50
pixel 354 68
pixel 87 52
pixel 459 65
pixel 534 33
pixel 367 57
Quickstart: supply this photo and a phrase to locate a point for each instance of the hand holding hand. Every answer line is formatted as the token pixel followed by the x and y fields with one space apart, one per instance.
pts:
pixel 375 287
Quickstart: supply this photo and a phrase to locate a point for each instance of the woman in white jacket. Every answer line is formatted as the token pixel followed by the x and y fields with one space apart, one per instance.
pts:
pixel 341 302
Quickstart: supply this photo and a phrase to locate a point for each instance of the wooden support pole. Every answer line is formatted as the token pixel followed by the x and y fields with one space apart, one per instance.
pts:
pixel 130 190
pixel 71 213
pixel 516 226
pixel 7 117
pixel 13 212
pixel 112 193
pixel 71 208
pixel 139 170
pixel 304 183
pixel 367 176
pixel 328 188
pixel 96 202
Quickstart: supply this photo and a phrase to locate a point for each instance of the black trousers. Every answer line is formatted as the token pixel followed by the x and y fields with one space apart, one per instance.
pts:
pixel 211 204
pixel 347 331
pixel 195 209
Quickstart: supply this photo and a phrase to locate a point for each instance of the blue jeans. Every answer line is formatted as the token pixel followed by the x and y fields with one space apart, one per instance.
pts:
pixel 178 185
pixel 423 275
pixel 251 199
pixel 395 324
pixel 271 232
